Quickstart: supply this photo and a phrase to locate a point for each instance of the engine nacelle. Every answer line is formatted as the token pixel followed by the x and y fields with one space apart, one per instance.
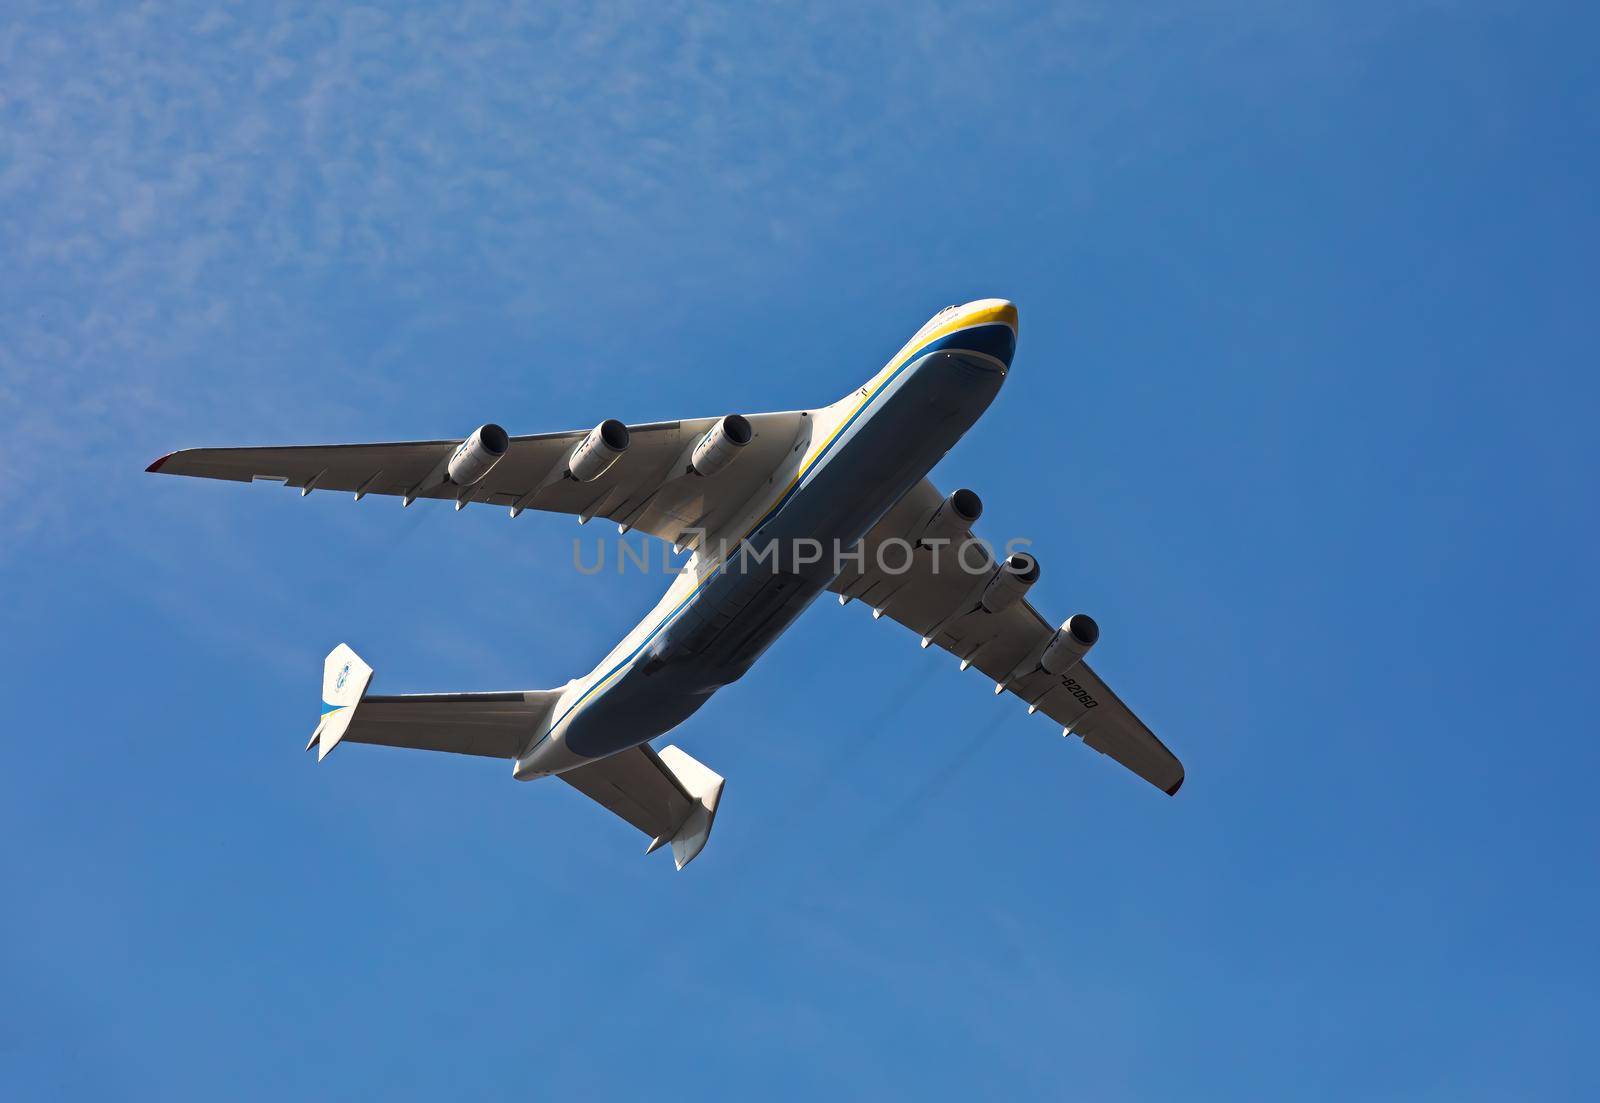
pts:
pixel 1010 583
pixel 598 451
pixel 1070 644
pixel 721 444
pixel 955 515
pixel 477 454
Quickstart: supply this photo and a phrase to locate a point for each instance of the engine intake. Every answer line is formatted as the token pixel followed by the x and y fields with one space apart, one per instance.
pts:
pixel 477 454
pixel 720 445
pixel 1070 644
pixel 1010 583
pixel 598 451
pixel 954 516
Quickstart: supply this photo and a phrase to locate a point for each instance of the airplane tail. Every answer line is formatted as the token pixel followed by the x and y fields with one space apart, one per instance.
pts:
pixel 344 683
pixel 669 796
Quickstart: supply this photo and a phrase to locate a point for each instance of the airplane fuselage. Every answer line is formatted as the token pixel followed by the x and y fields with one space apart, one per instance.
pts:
pixel 745 585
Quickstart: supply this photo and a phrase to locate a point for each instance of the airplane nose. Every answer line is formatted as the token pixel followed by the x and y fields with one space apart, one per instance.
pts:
pixel 981 311
pixel 987 326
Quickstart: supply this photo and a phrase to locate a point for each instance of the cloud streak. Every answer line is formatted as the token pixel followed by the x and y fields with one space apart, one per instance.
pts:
pixel 187 191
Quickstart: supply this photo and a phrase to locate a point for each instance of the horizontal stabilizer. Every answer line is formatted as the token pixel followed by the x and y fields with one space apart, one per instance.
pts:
pixel 670 797
pixel 490 725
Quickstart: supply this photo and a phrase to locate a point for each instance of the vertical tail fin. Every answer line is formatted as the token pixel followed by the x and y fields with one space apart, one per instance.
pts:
pixel 705 787
pixel 344 683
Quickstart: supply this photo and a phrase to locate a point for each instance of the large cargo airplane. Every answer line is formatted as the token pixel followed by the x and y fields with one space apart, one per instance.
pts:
pixel 774 509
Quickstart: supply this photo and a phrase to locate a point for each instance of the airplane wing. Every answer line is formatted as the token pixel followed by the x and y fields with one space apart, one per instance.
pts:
pixel 653 477
pixel 940 601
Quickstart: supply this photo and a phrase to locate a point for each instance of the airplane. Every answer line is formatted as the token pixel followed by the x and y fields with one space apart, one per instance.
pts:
pixel 775 488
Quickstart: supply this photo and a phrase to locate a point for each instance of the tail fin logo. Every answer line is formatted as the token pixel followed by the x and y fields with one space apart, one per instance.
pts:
pixel 344 673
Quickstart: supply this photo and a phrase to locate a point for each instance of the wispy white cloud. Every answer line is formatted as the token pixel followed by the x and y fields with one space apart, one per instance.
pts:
pixel 181 185
pixel 243 224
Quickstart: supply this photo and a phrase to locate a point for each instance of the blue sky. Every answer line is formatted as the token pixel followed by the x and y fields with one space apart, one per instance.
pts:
pixel 1303 413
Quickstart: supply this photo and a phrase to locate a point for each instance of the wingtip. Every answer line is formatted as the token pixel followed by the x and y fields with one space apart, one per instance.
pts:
pixel 157 465
pixel 1176 785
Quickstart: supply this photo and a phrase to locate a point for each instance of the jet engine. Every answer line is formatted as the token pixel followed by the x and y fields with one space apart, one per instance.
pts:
pixel 1010 583
pixel 477 454
pixel 598 451
pixel 955 515
pixel 720 445
pixel 1070 644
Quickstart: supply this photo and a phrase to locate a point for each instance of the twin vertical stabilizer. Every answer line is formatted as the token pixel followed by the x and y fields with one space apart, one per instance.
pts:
pixel 705 790
pixel 344 682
